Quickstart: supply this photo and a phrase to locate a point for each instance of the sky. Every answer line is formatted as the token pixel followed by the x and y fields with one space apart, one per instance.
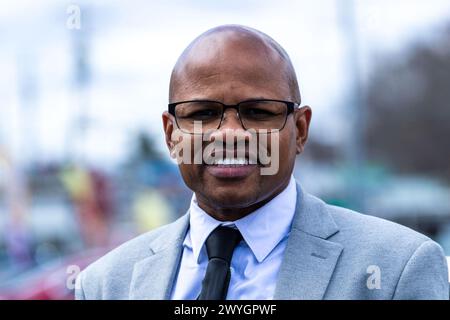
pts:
pixel 133 45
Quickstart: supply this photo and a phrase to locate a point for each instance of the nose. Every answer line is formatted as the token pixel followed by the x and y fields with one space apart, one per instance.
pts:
pixel 231 120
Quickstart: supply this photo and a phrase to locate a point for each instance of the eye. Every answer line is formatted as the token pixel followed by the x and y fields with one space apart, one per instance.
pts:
pixel 204 114
pixel 257 113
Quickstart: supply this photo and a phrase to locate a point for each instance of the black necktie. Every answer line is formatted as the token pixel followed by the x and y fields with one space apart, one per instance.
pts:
pixel 219 246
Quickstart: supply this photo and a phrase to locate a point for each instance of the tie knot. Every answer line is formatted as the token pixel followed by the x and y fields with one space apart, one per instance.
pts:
pixel 221 243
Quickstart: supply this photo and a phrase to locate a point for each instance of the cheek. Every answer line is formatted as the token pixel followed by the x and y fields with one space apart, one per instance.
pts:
pixel 187 150
pixel 193 176
pixel 286 150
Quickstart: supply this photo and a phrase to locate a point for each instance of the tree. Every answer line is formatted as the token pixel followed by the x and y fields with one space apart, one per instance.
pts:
pixel 408 110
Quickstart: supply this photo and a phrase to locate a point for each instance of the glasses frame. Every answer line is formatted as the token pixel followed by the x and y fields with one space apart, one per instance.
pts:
pixel 289 104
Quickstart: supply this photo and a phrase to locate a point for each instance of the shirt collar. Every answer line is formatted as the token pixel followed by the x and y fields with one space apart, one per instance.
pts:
pixel 262 229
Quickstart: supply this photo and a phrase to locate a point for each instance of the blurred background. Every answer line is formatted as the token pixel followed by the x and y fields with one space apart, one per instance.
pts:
pixel 83 165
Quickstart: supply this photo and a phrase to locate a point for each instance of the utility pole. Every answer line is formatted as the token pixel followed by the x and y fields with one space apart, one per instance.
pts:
pixel 355 150
pixel 77 135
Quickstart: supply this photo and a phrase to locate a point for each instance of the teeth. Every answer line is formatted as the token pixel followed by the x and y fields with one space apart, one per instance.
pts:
pixel 231 161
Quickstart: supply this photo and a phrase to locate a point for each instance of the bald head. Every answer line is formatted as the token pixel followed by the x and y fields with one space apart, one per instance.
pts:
pixel 233 55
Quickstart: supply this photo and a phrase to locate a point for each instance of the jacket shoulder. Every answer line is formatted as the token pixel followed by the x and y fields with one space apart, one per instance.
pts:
pixel 410 264
pixel 112 272
pixel 356 226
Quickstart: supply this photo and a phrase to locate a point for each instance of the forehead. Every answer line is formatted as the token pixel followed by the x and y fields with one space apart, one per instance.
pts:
pixel 227 65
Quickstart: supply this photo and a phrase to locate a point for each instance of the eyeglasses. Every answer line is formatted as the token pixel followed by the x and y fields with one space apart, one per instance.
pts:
pixel 255 114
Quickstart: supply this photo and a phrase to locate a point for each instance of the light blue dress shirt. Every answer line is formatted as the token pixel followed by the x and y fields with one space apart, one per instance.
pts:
pixel 256 260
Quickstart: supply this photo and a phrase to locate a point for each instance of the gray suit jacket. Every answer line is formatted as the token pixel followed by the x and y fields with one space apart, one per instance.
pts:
pixel 332 253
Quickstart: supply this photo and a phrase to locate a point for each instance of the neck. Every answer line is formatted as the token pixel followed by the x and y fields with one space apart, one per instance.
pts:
pixel 234 213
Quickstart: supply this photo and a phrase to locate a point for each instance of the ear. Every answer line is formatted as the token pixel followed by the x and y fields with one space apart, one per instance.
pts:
pixel 168 125
pixel 302 118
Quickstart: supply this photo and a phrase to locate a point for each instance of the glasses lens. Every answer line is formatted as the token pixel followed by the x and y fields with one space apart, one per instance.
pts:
pixel 269 115
pixel 206 113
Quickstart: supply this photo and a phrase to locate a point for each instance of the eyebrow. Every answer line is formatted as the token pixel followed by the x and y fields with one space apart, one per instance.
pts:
pixel 216 100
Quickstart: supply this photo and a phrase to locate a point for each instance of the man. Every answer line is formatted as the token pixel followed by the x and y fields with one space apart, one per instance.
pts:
pixel 249 235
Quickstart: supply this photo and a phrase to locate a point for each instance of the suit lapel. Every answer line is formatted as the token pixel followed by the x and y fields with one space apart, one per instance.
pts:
pixel 153 276
pixel 309 258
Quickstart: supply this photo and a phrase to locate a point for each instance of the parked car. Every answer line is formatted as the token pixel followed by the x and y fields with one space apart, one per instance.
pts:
pixel 51 281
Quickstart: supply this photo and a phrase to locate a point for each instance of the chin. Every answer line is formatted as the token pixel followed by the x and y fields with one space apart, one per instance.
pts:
pixel 232 198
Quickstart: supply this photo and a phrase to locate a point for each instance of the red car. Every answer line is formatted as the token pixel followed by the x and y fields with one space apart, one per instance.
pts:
pixel 52 281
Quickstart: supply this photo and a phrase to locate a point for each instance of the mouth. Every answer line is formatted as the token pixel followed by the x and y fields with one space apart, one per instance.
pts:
pixel 239 167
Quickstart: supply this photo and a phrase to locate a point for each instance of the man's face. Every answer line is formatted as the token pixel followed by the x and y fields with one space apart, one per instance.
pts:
pixel 230 70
